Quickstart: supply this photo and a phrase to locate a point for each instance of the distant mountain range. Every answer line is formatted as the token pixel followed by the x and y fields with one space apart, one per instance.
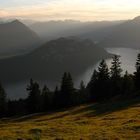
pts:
pixel 51 60
pixel 126 34
pixel 16 38
pixel 95 31
pixel 71 54
pixel 106 33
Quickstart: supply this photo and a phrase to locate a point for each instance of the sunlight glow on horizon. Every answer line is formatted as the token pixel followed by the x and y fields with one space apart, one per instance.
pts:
pixel 84 10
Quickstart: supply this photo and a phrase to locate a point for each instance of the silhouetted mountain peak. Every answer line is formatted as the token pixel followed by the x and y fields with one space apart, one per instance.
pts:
pixel 15 37
pixel 16 21
pixel 13 22
pixel 126 35
pixel 137 18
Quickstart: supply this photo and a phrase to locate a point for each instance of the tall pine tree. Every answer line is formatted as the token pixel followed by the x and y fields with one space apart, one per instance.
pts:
pixel 103 81
pixel 137 73
pixel 34 97
pixel 3 102
pixel 116 78
pixel 99 83
pixel 45 101
pixel 67 90
pixel 127 85
pixel 92 85
pixel 56 98
pixel 81 96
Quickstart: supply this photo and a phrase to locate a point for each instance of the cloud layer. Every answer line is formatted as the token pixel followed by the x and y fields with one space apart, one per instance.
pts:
pixel 67 9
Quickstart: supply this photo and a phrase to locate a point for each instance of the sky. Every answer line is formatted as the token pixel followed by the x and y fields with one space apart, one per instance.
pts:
pixel 84 10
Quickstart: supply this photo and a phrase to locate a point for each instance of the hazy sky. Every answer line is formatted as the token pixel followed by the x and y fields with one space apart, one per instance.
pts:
pixel 88 10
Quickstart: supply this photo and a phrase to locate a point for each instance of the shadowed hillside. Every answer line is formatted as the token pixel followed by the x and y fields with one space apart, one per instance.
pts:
pixel 124 35
pixel 51 60
pixel 16 38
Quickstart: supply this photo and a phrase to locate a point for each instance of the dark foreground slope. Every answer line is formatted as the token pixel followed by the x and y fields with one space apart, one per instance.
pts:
pixel 111 121
pixel 16 38
pixel 124 35
pixel 51 60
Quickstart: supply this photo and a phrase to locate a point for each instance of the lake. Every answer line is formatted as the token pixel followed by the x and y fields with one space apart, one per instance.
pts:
pixel 128 59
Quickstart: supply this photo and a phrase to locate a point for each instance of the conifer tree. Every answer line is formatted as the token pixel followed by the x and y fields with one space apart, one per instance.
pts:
pixel 56 89
pixel 82 86
pixel 103 71
pixel 3 102
pixel 66 90
pixel 70 84
pixel 127 84
pixel 116 76
pixel 99 84
pixel 137 73
pixel 45 98
pixel 116 68
pixel 34 97
pixel 92 85
pixel 57 98
pixel 83 94
pixel 103 81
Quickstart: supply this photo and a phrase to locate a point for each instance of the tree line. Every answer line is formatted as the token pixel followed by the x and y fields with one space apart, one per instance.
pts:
pixel 105 83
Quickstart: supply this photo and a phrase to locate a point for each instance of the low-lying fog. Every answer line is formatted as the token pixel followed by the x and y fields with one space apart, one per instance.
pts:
pixel 128 59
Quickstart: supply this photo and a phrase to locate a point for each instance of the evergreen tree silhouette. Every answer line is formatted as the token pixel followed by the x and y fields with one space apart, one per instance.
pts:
pixel 82 86
pixel 45 101
pixel 137 73
pixel 3 102
pixel 116 77
pixel 34 97
pixel 56 98
pixel 116 68
pixel 92 85
pixel 127 84
pixel 99 83
pixel 66 90
pixel 83 94
pixel 103 81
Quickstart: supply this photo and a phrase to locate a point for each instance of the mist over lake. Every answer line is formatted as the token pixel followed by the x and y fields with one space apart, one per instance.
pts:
pixel 128 59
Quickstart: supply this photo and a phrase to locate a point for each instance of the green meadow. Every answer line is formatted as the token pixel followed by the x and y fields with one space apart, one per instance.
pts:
pixel 105 121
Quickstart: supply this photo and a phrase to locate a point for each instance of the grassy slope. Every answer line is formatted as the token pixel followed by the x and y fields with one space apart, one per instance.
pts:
pixel 117 121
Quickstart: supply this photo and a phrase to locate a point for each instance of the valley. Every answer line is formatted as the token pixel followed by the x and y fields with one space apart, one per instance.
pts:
pixel 69 70
pixel 18 89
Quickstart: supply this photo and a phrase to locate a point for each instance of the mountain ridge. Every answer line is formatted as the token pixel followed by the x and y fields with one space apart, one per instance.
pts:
pixel 125 35
pixel 17 38
pixel 52 59
pixel 50 30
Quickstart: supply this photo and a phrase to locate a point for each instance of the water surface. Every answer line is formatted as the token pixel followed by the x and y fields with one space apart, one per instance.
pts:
pixel 128 59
